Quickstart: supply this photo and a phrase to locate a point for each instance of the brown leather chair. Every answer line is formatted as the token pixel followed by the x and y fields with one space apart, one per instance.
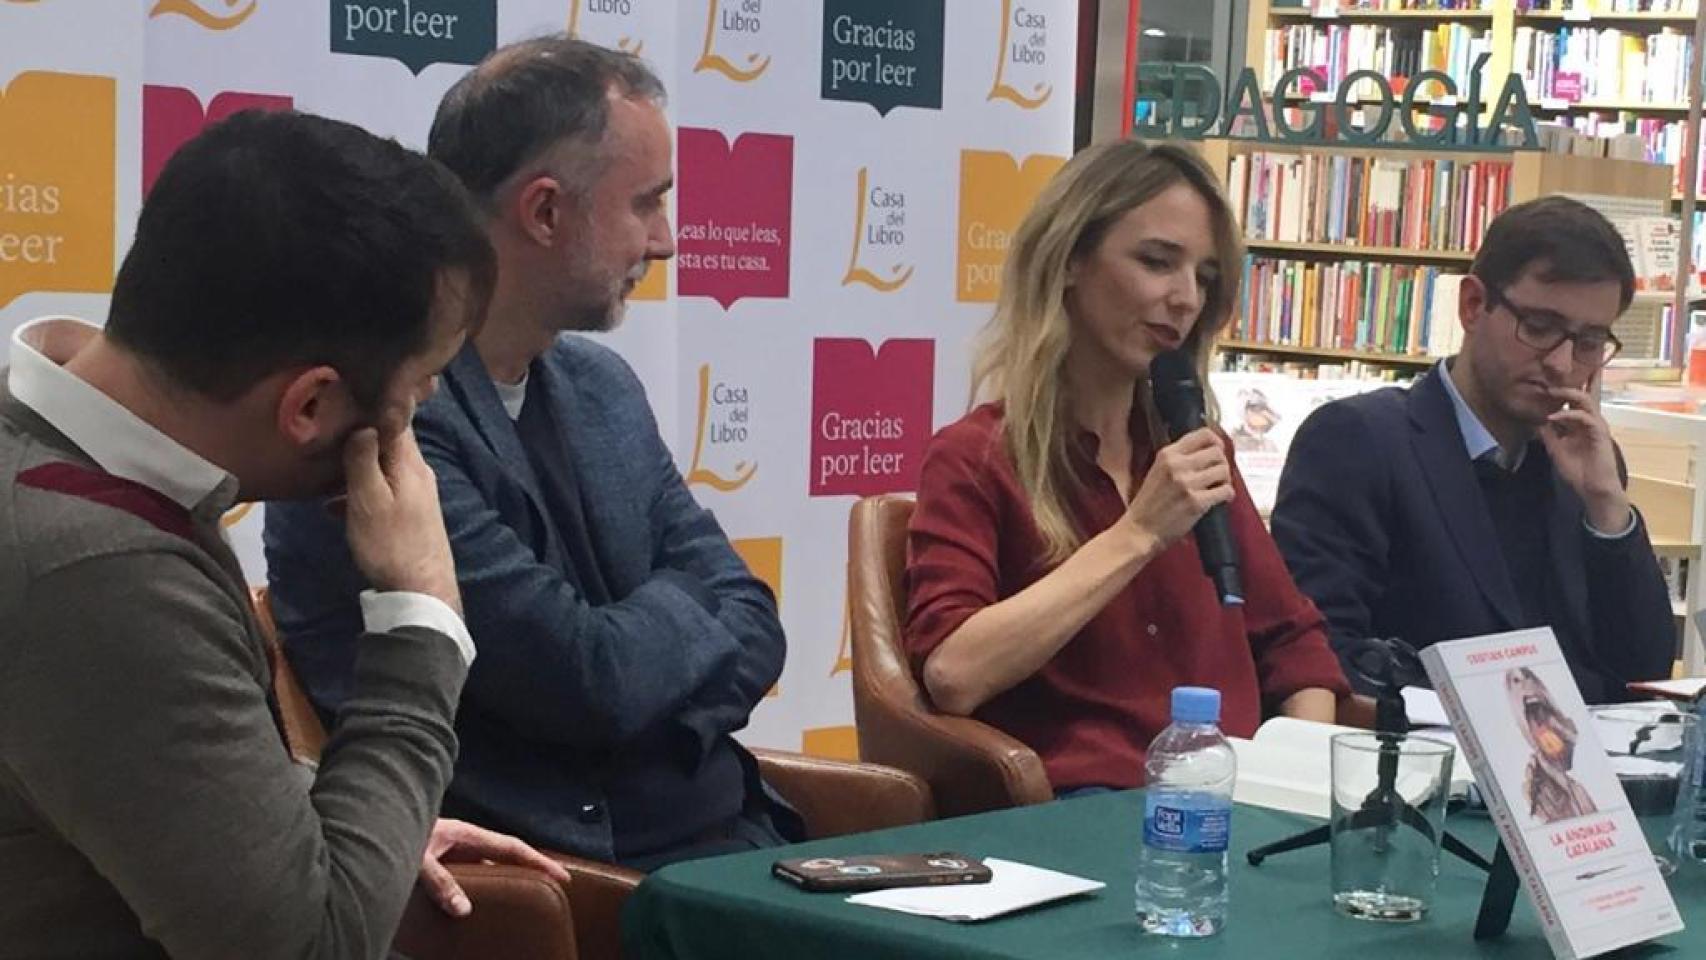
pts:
pixel 519 913
pixel 970 766
pixel 833 797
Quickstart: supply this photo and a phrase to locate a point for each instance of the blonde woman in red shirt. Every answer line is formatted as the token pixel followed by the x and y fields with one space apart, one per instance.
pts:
pixel 1054 590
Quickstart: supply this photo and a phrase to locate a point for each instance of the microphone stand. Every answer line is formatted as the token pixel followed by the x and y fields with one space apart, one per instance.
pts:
pixel 1390 664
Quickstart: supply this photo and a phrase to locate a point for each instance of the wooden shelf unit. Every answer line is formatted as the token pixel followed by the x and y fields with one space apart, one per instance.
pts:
pixel 1329 353
pixel 1533 174
pixel 1410 16
pixel 1352 251
pixel 1638 17
pixel 1500 18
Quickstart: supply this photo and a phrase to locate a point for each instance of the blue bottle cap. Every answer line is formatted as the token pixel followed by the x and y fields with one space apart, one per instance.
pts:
pixel 1196 705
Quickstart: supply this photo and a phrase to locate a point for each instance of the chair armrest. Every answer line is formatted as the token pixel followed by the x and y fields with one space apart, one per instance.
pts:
pixel 519 913
pixel 971 767
pixel 837 797
pixel 598 892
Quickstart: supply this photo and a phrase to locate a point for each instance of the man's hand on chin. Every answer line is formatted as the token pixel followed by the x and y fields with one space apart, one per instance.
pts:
pixel 1578 440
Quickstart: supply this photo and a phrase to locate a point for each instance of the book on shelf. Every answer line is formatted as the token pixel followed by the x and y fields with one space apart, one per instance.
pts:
pixel 1391 308
pixel 1656 242
pixel 1552 791
pixel 1332 7
pixel 1337 50
pixel 1422 204
pixel 1606 7
pixel 1592 139
pixel 1603 64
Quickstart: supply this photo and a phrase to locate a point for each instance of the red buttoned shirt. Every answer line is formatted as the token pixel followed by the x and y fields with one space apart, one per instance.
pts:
pixel 1092 710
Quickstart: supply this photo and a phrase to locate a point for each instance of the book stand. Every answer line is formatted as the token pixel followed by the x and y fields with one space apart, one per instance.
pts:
pixel 1389 665
pixel 1499 896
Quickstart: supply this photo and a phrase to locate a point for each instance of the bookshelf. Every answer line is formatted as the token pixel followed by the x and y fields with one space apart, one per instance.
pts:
pixel 1307 297
pixel 1529 42
pixel 1580 37
pixel 1664 450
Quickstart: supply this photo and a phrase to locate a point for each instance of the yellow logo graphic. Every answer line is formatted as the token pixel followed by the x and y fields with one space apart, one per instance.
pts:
pixel 743 20
pixel 654 285
pixel 236 11
pixel 57 149
pixel 1002 89
pixel 844 652
pixel 633 45
pixel 857 273
pixel 995 193
pixel 763 556
pixel 836 743
pixel 696 471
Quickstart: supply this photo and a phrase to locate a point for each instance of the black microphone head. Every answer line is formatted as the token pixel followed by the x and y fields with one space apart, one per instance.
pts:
pixel 1172 367
pixel 1177 391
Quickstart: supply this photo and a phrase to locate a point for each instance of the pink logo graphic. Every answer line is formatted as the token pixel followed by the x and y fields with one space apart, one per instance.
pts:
pixel 735 205
pixel 171 116
pixel 870 415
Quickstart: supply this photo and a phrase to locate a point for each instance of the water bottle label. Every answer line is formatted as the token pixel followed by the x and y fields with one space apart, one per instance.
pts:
pixel 1181 828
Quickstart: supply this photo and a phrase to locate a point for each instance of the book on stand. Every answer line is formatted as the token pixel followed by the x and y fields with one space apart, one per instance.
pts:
pixel 1560 811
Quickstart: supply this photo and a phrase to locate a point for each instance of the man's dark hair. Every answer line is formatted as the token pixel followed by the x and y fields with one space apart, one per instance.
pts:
pixel 1568 240
pixel 280 239
pixel 527 97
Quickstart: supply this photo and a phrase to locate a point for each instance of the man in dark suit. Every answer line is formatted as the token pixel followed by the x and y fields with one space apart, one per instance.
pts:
pixel 1490 496
pixel 622 639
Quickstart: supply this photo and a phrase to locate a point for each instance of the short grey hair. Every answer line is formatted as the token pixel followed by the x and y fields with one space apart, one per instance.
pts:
pixel 528 97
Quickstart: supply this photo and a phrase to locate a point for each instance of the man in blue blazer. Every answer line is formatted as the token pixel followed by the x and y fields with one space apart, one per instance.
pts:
pixel 622 639
pixel 1490 496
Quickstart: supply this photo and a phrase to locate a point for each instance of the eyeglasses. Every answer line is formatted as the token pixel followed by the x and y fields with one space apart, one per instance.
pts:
pixel 1593 347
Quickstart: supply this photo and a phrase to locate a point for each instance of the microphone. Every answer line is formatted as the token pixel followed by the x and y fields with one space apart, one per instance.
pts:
pixel 1179 399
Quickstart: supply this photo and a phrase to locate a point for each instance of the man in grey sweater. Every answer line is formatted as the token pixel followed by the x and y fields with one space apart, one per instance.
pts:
pixel 294 286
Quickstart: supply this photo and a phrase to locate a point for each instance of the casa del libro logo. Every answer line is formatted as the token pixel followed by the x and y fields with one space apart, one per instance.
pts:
pixel 880 235
pixel 723 436
pixel 734 40
pixel 1022 65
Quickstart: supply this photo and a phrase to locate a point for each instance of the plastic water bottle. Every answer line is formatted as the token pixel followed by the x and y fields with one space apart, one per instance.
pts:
pixel 1187 820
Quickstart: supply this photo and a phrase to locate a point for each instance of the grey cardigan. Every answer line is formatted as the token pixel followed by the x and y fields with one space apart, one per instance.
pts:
pixel 147 804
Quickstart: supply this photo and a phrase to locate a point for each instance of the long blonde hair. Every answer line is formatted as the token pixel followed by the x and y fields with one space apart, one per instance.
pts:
pixel 1021 355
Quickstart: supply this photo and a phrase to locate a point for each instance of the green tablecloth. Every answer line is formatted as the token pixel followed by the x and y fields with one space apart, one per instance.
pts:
pixel 731 906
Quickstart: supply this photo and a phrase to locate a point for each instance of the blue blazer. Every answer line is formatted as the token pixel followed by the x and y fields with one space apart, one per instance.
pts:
pixel 690 643
pixel 1382 523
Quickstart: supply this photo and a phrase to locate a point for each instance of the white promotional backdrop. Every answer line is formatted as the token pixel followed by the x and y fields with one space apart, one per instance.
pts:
pixel 848 174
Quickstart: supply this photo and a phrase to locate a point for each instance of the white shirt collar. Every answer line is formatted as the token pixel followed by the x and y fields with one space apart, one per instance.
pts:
pixel 1477 439
pixel 122 443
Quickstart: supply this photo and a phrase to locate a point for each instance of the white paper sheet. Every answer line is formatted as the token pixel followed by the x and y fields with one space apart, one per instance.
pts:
pixel 1421 705
pixel 1012 886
